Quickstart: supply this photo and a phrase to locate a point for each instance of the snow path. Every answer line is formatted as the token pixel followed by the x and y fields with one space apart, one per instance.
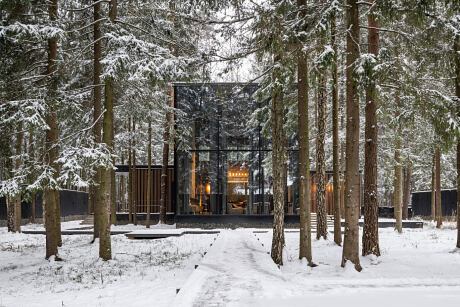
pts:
pixel 237 268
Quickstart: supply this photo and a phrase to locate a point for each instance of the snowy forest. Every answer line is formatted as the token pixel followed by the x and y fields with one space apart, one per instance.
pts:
pixel 368 87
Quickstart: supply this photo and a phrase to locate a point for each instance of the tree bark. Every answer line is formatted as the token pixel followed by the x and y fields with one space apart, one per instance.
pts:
pixel 277 163
pixel 104 195
pixel 149 173
pixel 166 139
pixel 321 214
pixel 130 176
pixel 17 166
pixel 31 179
pixel 10 213
pixel 335 137
pixel 371 206
pixel 438 189
pixel 304 153
pixel 109 96
pixel 32 207
pixel 433 188
pixel 397 191
pixel 134 176
pixel 97 111
pixel 407 195
pixel 52 225
pixel 457 93
pixel 352 178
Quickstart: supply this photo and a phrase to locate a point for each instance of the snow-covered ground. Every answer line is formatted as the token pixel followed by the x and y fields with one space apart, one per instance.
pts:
pixel 417 268
pixel 142 272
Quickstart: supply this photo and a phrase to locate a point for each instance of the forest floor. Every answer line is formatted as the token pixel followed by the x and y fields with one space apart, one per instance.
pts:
pixel 419 267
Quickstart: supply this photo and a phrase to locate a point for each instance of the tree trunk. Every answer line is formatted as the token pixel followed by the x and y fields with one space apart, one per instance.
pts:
pixel 304 154
pixel 164 170
pixel 50 203
pixel 371 206
pixel 166 137
pixel 321 214
pixel 407 195
pixel 31 179
pixel 352 178
pixel 397 194
pixel 457 93
pixel 277 163
pixel 438 189
pixel 104 195
pixel 32 207
pixel 130 176
pixel 17 166
pixel 134 176
pixel 109 97
pixel 433 188
pixel 113 196
pixel 97 105
pixel 335 137
pixel 10 213
pixel 149 173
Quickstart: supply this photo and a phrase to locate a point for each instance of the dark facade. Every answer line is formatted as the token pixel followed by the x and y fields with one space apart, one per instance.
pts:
pixel 140 189
pixel 421 203
pixel 72 203
pixel 222 155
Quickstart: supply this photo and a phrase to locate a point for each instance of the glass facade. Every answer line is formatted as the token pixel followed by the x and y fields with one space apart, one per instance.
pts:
pixel 220 153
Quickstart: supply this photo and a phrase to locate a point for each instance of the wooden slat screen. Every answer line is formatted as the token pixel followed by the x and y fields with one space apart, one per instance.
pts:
pixel 155 190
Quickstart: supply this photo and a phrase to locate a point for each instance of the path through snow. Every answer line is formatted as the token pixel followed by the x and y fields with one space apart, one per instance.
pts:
pixel 237 268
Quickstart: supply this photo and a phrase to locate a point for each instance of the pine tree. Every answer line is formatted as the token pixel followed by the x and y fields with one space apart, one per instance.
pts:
pixel 51 194
pixel 371 206
pixel 304 148
pixel 335 136
pixel 352 207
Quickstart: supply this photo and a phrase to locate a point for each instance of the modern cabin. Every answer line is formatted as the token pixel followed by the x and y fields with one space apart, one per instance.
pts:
pixel 222 156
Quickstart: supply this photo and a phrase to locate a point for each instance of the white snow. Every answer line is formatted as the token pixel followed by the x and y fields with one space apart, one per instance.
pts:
pixel 419 267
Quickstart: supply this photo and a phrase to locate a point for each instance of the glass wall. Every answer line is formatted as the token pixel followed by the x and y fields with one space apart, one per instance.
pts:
pixel 220 152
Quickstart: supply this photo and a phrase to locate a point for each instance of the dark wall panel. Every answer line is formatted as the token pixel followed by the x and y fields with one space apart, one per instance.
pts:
pixel 72 203
pixel 421 203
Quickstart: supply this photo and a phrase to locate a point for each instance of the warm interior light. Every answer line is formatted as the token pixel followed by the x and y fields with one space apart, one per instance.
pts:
pixel 208 188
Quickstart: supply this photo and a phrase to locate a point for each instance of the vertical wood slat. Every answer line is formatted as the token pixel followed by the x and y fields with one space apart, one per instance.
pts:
pixel 155 194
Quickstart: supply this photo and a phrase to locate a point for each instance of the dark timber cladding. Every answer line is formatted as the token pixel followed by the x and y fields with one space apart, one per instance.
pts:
pixel 141 188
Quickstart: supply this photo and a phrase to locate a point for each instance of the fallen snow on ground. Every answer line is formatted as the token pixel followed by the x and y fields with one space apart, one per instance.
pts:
pixel 142 272
pixel 419 267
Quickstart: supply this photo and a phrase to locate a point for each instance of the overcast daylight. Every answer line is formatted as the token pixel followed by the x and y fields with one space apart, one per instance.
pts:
pixel 189 153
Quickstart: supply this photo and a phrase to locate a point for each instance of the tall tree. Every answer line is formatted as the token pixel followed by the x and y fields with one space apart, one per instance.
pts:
pixel 457 94
pixel 433 188
pixel 304 147
pixel 166 138
pixel 97 112
pixel 321 214
pixel 398 170
pixel 371 206
pixel 352 176
pixel 277 160
pixel 335 136
pixel 51 193
pixel 17 165
pixel 149 172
